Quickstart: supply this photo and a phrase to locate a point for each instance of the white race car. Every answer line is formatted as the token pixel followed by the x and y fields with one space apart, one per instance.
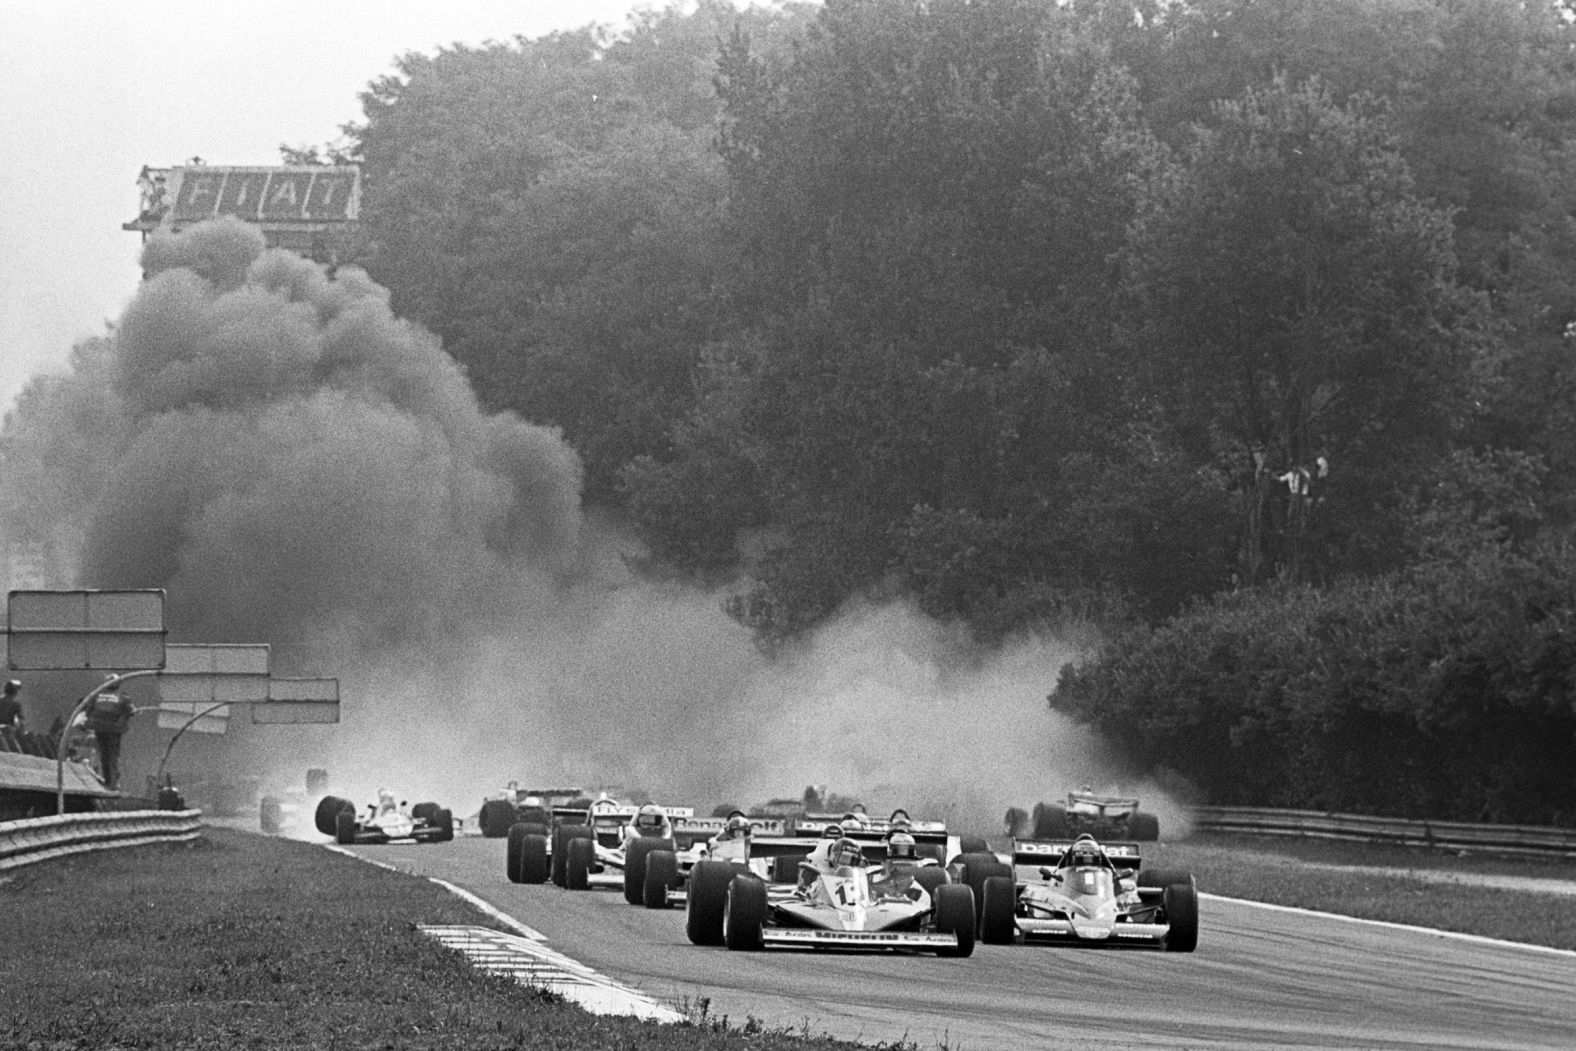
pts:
pixel 385 820
pixel 842 902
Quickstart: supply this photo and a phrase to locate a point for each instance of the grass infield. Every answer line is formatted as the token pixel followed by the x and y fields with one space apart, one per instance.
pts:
pixel 243 941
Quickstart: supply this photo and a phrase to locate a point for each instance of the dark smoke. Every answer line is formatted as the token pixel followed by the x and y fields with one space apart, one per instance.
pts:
pixel 295 465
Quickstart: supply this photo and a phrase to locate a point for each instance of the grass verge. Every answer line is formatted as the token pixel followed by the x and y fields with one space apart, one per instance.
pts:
pixel 1468 894
pixel 244 941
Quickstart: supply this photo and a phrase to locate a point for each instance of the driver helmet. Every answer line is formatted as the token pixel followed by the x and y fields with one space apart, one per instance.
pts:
pixel 900 819
pixel 832 831
pixel 385 800
pixel 649 818
pixel 846 852
pixel 855 818
pixel 737 827
pixel 1085 851
pixel 901 847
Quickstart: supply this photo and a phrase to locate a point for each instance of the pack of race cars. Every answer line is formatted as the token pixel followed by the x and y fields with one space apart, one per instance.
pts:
pixel 813 881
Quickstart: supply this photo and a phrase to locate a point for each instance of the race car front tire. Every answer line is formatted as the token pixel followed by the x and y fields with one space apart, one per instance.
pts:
pixel 1163 877
pixel 998 925
pixel 955 914
pixel 662 872
pixel 635 853
pixel 328 809
pixel 744 913
pixel 708 900
pixel 1180 906
pixel 345 827
pixel 579 852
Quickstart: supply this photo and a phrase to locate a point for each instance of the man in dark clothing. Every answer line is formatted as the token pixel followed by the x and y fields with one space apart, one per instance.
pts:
pixel 108 716
pixel 10 707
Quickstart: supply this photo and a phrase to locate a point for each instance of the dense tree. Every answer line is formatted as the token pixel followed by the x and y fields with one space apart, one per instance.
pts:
pixel 1297 312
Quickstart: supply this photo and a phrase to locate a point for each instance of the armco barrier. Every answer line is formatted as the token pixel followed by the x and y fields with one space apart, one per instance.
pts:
pixel 1524 840
pixel 41 838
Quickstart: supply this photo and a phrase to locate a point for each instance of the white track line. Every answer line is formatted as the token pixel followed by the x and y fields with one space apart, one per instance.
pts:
pixel 526 957
pixel 1475 938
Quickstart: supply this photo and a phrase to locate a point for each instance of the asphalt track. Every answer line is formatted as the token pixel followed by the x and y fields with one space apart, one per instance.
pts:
pixel 1261 978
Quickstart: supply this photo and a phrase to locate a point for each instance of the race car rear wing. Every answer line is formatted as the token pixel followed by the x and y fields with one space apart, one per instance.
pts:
pixel 710 826
pixel 814 826
pixel 622 812
pixel 871 841
pixel 1050 851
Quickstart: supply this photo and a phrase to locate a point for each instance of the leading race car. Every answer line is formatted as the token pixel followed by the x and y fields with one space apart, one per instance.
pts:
pixel 386 820
pixel 841 902
pixel 503 810
pixel 1087 894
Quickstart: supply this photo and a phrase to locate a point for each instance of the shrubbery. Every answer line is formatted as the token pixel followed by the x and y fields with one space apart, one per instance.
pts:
pixel 1447 691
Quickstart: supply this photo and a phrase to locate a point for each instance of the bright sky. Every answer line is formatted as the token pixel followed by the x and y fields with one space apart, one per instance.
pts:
pixel 92 90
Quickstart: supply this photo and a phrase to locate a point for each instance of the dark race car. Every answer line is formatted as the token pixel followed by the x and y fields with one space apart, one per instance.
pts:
pixel 1087 812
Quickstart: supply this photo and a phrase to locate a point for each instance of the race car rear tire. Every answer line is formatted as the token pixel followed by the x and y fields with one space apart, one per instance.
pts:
pixel 327 809
pixel 708 899
pixel 444 819
pixel 496 818
pixel 511 852
pixel 977 868
pixel 1145 828
pixel 636 851
pixel 533 864
pixel 997 923
pixel 579 852
pixel 1050 822
pixel 1163 877
pixel 785 867
pixel 562 834
pixel 744 913
pixel 1180 906
pixel 424 812
pixel 930 877
pixel 270 814
pixel 973 845
pixel 345 827
pixel 662 872
pixel 955 914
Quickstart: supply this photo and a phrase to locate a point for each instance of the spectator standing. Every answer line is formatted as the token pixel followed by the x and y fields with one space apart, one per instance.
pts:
pixel 109 716
pixel 10 707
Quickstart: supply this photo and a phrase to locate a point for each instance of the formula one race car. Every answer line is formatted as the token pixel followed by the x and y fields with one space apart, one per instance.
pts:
pixel 604 843
pixel 501 812
pixel 385 821
pixel 842 902
pixel 1085 893
pixel 1104 817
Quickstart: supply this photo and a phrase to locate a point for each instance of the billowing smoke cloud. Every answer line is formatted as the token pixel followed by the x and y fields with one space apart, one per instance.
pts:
pixel 297 466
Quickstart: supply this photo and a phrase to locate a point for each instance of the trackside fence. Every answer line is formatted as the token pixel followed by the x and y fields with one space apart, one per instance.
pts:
pixel 41 838
pixel 1524 840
